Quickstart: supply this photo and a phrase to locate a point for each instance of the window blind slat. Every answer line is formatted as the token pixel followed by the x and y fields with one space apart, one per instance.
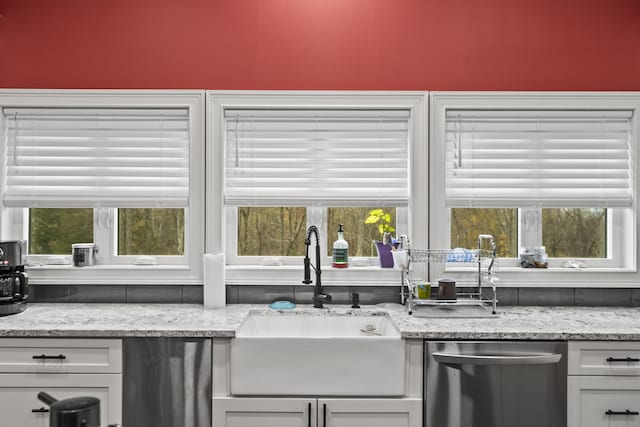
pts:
pixel 316 157
pixel 75 157
pixel 540 158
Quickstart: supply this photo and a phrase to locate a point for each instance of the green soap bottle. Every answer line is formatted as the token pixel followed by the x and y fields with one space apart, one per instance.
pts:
pixel 340 250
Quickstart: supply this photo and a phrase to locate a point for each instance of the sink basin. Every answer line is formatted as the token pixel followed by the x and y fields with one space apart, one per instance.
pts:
pixel 317 355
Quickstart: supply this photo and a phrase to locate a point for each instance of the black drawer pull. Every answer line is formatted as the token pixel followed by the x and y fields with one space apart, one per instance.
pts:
pixel 43 410
pixel 324 415
pixel 626 359
pixel 625 412
pixel 46 356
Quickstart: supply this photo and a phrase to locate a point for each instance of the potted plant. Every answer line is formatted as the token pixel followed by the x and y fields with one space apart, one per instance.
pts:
pixel 385 228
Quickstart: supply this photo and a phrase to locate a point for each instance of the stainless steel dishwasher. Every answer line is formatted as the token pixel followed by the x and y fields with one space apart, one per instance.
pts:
pixel 167 382
pixel 496 384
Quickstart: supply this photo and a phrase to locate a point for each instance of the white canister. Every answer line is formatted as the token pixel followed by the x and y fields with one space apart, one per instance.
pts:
pixel 84 254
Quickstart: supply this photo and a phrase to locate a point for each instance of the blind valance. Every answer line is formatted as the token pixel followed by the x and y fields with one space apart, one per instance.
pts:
pixel 283 157
pixel 91 157
pixel 539 158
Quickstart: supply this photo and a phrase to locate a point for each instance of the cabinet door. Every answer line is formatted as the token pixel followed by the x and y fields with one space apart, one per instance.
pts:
pixel 604 358
pixel 60 355
pixel 369 412
pixel 259 412
pixel 599 401
pixel 19 404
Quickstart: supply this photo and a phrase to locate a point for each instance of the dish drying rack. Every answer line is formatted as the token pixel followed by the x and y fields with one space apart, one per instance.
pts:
pixel 485 259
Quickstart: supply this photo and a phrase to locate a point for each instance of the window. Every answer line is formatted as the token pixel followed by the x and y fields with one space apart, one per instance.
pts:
pixel 53 231
pixel 122 169
pixel 501 223
pixel 315 159
pixel 290 160
pixel 268 231
pixel 538 169
pixel 360 234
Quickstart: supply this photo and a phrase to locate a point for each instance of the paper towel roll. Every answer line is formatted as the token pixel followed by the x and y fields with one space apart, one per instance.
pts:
pixel 214 284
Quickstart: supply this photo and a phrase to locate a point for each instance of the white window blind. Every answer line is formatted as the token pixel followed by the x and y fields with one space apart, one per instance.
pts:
pixel 541 158
pixel 89 157
pixel 316 157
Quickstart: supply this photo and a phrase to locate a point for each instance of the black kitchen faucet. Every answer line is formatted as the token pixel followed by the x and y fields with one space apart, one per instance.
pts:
pixel 318 296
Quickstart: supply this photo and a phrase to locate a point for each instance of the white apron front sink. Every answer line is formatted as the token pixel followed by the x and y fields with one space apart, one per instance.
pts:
pixel 332 355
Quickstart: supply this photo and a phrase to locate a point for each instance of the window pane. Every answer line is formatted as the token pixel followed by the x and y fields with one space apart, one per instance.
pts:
pixel 53 230
pixel 146 231
pixel 359 235
pixel 271 231
pixel 502 224
pixel 575 232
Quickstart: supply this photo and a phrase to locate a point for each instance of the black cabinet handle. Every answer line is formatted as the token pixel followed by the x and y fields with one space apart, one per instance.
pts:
pixel 309 408
pixel 626 359
pixel 46 356
pixel 43 410
pixel 625 412
pixel 324 415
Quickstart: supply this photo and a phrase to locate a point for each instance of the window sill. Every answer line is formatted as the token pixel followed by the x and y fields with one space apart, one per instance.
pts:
pixel 293 275
pixel 114 274
pixel 589 277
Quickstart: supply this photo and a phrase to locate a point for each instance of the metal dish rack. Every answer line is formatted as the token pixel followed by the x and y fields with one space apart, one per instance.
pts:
pixel 485 259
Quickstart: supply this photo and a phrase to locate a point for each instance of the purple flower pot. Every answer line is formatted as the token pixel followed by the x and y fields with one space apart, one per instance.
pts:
pixel 384 255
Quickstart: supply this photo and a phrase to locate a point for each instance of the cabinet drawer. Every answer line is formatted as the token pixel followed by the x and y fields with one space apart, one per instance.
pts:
pixel 604 358
pixel 60 355
pixel 598 401
pixel 20 406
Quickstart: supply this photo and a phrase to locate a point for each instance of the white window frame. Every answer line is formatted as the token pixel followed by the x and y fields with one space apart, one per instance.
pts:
pixel 620 267
pixel 221 225
pixel 112 268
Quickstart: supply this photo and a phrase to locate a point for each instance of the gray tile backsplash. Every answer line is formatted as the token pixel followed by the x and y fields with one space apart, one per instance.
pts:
pixel 600 297
pixel 546 296
pixel 375 295
pixel 98 293
pixel 263 294
pixel 635 297
pixel 506 296
pixel 154 294
pixel 193 294
pixel 49 293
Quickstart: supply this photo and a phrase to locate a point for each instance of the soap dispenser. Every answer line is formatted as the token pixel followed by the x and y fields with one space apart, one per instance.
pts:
pixel 340 250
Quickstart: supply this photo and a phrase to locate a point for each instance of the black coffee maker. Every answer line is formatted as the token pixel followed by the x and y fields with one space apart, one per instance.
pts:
pixel 14 283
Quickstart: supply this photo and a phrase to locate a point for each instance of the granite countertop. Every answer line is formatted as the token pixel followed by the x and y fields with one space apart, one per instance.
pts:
pixel 192 320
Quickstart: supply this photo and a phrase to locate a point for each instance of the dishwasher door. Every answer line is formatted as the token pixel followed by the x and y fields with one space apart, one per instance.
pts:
pixel 167 382
pixel 496 384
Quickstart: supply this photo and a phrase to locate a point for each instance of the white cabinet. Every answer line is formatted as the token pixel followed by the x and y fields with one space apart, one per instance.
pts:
pixel 604 384
pixel 60 355
pixel 20 406
pixel 599 401
pixel 63 368
pixel 370 412
pixel 311 412
pixel 264 412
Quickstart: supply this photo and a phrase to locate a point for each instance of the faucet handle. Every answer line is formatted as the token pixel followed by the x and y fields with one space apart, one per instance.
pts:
pixel 307 271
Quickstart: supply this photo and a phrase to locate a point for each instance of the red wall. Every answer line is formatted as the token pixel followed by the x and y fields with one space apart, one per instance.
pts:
pixel 321 44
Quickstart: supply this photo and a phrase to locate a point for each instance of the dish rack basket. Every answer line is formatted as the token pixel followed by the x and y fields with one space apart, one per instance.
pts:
pixel 484 257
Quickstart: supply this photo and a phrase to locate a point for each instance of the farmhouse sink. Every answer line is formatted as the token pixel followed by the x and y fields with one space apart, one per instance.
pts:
pixel 333 355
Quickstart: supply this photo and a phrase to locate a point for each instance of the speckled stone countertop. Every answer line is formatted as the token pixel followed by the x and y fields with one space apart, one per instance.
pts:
pixel 191 320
